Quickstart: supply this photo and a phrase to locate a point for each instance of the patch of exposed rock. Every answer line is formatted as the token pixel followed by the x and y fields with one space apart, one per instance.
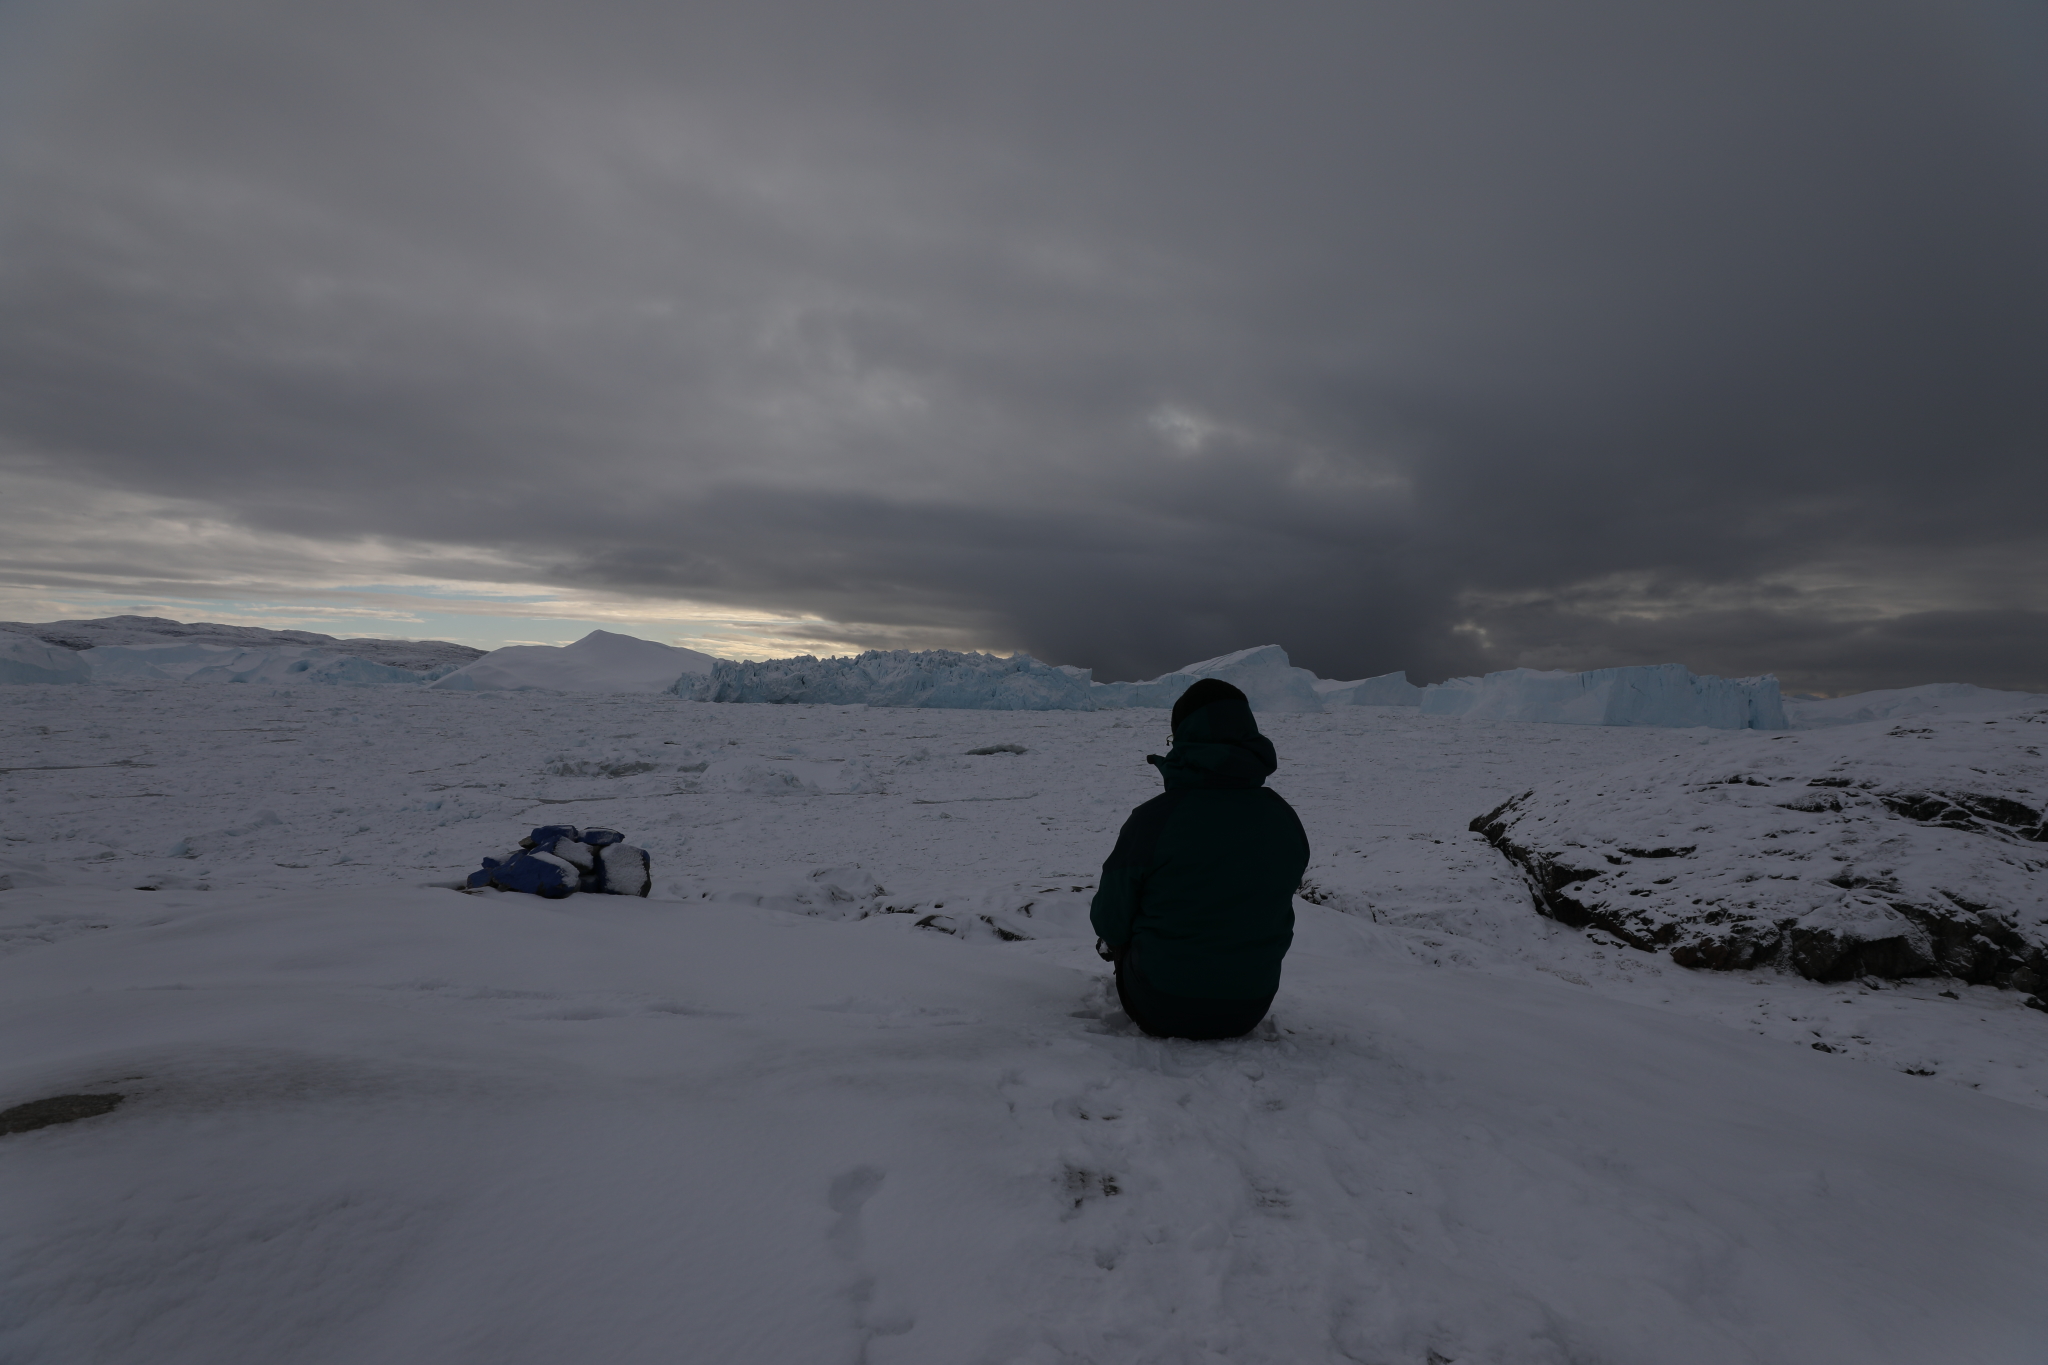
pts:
pixel 1863 851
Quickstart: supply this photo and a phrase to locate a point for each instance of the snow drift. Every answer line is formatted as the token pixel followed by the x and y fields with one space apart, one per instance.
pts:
pixel 1657 694
pixel 599 662
pixel 1907 852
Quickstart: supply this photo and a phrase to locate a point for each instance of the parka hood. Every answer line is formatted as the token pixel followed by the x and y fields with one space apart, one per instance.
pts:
pixel 1217 746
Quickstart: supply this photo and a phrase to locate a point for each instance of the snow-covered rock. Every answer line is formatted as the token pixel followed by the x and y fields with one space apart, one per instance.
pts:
pixel 25 659
pixel 277 665
pixel 1890 853
pixel 1388 689
pixel 1657 694
pixel 1901 703
pixel 898 677
pixel 418 656
pixel 599 662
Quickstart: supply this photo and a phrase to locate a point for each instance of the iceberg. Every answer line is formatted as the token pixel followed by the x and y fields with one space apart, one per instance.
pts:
pixel 25 659
pixel 1264 674
pixel 1654 694
pixel 599 662
pixel 898 677
pixel 1388 689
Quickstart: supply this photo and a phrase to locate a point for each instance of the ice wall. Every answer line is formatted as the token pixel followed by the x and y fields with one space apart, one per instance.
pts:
pixel 1656 694
pixel 601 661
pixel 898 677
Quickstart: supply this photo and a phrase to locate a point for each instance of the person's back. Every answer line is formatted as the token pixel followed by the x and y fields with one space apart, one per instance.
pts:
pixel 1196 902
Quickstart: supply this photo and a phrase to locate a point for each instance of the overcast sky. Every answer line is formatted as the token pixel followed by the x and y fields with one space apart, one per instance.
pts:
pixel 1404 333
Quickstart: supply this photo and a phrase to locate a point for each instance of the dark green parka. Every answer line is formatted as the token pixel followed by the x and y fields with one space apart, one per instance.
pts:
pixel 1200 887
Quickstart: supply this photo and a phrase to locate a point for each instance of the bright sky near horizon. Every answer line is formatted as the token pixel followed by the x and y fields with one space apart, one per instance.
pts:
pixel 1445 337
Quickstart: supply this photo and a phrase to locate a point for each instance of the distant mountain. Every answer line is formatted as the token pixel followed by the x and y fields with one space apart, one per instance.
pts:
pixel 418 655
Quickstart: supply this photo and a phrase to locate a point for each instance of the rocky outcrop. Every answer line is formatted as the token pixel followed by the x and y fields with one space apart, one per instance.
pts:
pixel 1856 852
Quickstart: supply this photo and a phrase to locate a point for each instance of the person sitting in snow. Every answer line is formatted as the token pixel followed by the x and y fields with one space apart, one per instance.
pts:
pixel 1196 903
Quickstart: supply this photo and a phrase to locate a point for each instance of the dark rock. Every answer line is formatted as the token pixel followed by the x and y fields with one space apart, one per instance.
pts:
pixel 26 1118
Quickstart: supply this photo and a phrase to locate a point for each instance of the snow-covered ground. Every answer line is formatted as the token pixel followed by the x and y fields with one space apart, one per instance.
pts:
pixel 849 1085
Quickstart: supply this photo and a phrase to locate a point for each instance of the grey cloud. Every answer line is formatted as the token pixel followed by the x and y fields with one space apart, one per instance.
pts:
pixel 872 311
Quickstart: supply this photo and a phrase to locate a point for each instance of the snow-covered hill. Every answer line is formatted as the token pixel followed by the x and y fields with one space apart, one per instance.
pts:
pixel 419 656
pixel 850 1087
pixel 601 661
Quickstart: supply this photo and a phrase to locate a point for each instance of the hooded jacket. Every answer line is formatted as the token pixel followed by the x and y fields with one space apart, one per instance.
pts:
pixel 1200 886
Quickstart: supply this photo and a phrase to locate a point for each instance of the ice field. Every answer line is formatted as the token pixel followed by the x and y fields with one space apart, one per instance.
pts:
pixel 849 1087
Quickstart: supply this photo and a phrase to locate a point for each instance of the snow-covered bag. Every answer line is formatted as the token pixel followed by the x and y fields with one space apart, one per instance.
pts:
pixel 559 860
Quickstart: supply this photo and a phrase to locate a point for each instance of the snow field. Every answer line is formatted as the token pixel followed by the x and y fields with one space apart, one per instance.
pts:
pixel 767 1116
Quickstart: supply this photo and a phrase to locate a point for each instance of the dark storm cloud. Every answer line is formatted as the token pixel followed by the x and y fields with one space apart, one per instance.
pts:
pixel 1438 337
